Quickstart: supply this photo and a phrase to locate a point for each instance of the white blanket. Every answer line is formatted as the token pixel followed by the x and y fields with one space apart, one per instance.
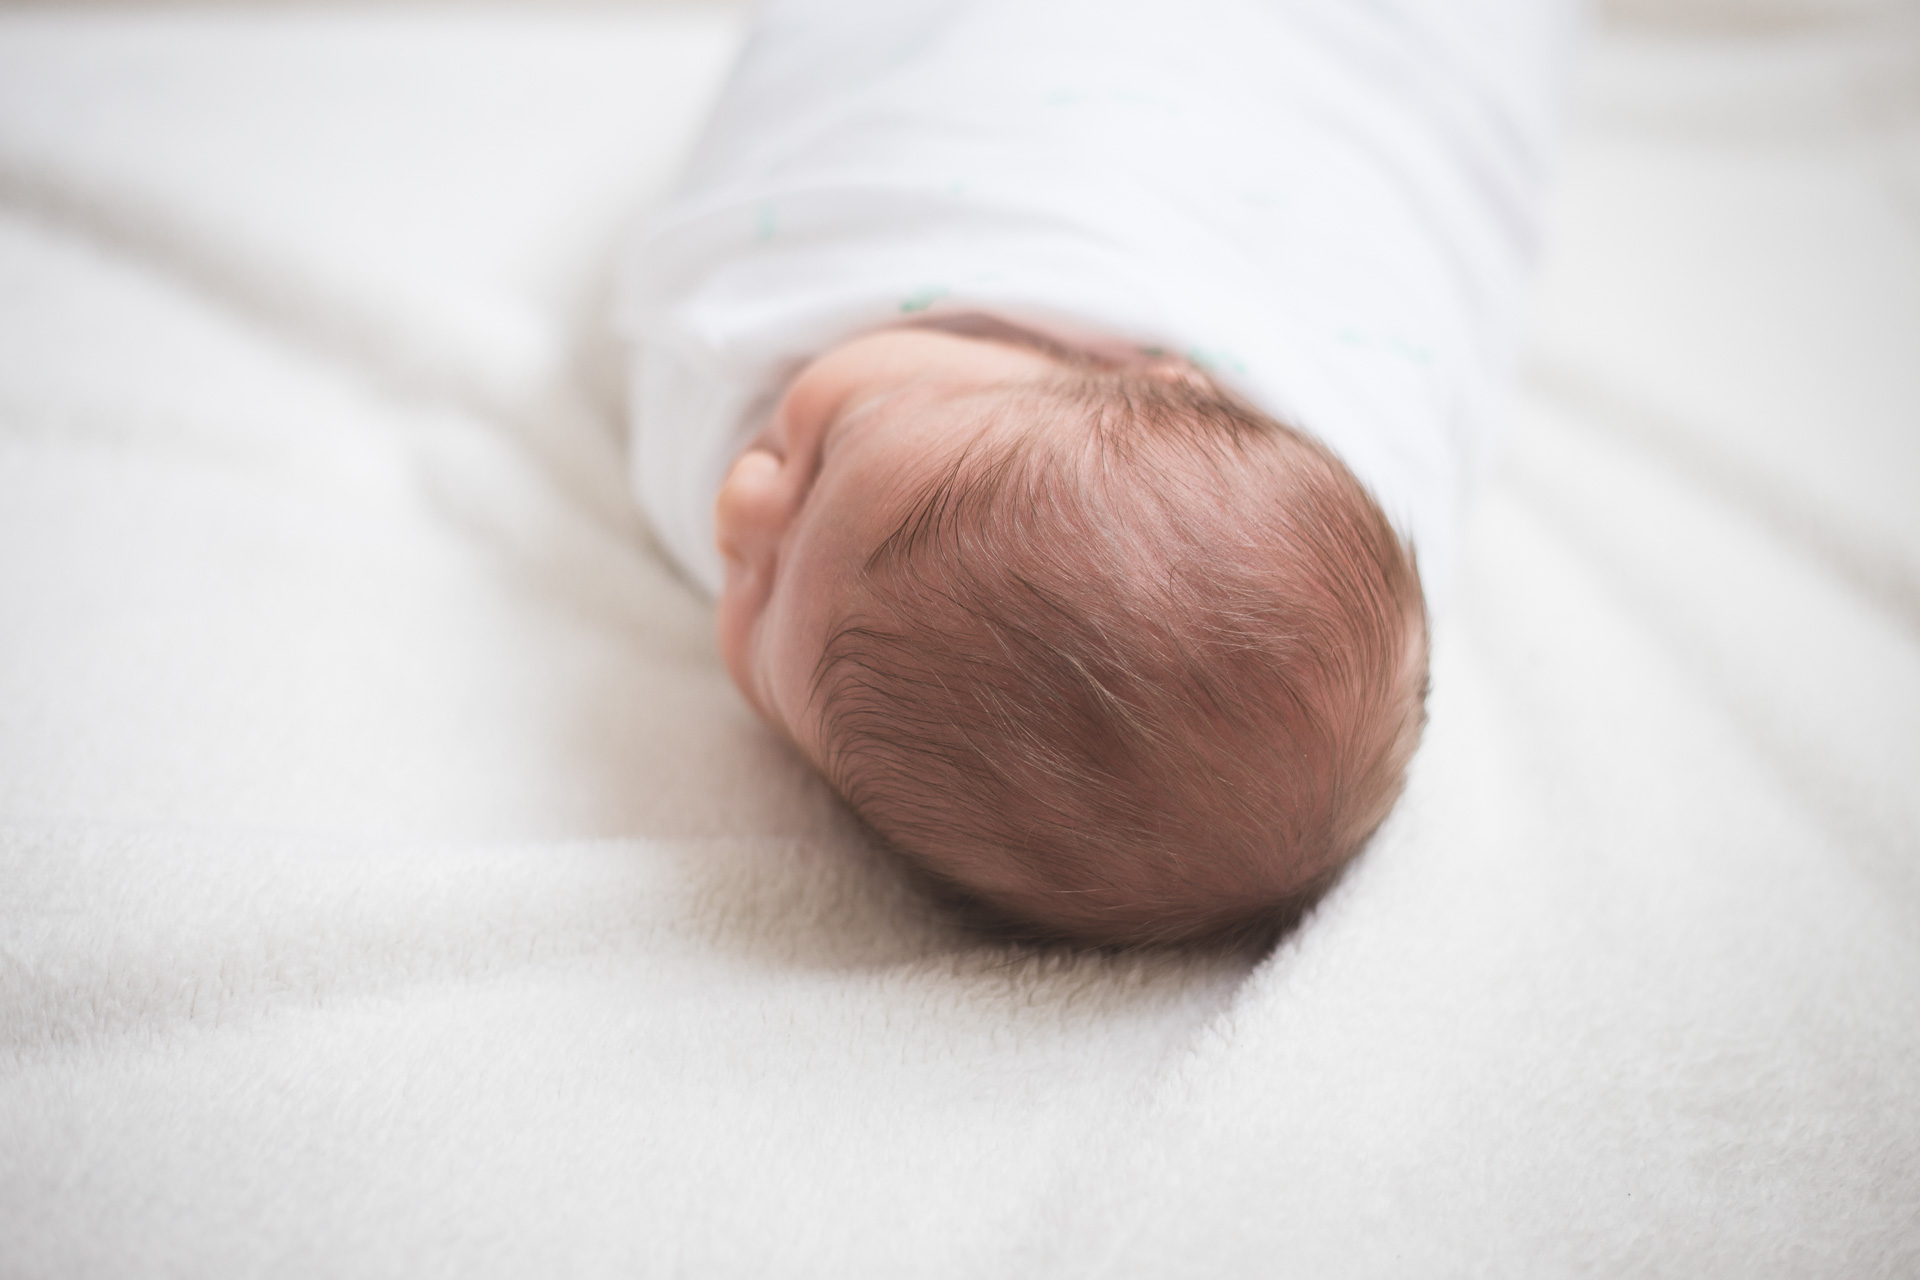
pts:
pixel 393 886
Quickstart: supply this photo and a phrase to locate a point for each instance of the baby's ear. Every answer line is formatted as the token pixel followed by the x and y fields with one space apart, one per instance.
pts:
pixel 755 506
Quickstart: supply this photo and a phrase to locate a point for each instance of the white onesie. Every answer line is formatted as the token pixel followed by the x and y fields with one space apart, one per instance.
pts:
pixel 1327 204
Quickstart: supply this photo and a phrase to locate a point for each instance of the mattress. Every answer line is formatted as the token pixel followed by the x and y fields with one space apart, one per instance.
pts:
pixel 394 886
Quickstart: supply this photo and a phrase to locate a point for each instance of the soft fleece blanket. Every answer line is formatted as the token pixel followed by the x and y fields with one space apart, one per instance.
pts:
pixel 392 886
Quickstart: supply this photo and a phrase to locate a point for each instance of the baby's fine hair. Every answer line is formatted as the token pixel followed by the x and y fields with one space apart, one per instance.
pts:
pixel 1153 681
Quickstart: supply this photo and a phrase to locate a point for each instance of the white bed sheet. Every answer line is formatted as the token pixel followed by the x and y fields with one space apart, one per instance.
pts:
pixel 393 885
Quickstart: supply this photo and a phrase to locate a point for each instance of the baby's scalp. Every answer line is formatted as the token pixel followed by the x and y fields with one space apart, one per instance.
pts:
pixel 1138 665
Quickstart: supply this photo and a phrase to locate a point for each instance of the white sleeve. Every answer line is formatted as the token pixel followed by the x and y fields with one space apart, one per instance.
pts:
pixel 1327 204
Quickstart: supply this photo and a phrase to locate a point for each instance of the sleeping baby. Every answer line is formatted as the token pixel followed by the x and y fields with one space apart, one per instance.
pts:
pixel 1071 402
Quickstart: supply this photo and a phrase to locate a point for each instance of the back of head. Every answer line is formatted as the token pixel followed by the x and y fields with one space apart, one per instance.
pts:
pixel 1143 666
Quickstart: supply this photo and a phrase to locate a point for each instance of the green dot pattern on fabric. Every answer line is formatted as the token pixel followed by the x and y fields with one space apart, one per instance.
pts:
pixel 921 299
pixel 765 222
pixel 1215 360
pixel 1413 351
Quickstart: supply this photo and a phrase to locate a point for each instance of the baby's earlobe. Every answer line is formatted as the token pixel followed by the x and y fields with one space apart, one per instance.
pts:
pixel 751 511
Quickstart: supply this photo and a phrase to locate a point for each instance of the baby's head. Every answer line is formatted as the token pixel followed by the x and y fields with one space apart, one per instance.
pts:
pixel 1109 652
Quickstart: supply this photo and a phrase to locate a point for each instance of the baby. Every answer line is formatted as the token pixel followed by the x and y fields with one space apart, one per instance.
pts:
pixel 1127 646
